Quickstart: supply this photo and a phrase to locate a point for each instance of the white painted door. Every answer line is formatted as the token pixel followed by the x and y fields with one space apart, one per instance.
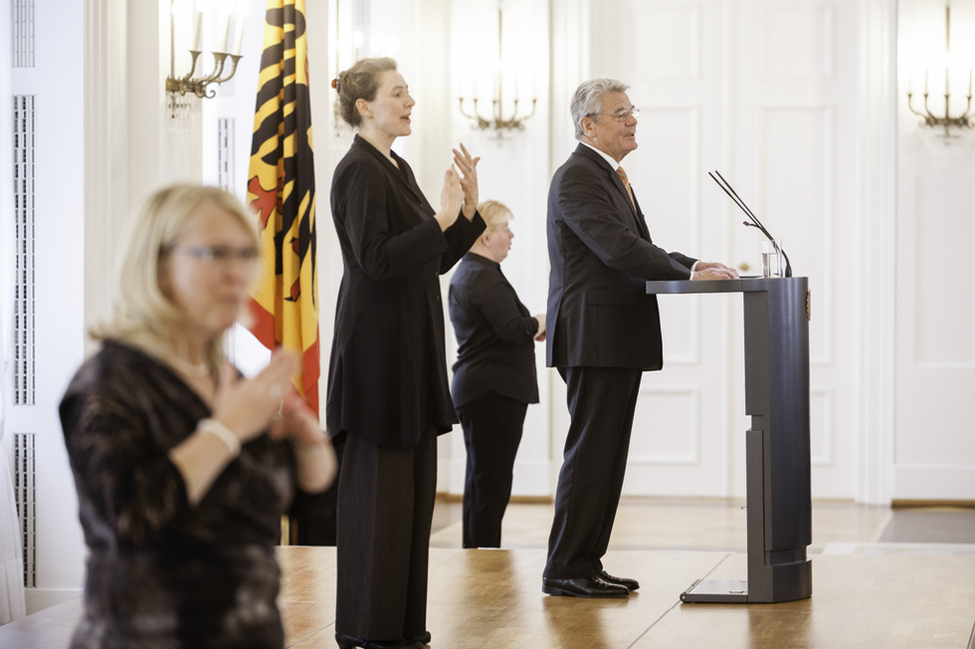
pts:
pixel 766 92
pixel 934 450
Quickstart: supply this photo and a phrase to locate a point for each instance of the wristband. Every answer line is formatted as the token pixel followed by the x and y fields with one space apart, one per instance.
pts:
pixel 223 433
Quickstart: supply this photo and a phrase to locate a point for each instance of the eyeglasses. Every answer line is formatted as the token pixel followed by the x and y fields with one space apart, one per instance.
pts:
pixel 220 255
pixel 620 116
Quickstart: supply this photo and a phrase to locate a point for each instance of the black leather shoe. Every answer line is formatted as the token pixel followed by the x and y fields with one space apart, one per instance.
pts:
pixel 348 642
pixel 582 587
pixel 423 638
pixel 628 584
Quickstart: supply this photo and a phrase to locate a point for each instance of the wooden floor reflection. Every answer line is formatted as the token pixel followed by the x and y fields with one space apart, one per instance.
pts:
pixel 491 598
pixel 874 586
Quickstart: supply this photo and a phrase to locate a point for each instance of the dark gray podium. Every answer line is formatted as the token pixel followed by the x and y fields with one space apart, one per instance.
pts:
pixel 778 499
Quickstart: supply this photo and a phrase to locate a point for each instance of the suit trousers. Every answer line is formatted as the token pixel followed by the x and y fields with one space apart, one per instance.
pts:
pixel 601 403
pixel 492 432
pixel 385 512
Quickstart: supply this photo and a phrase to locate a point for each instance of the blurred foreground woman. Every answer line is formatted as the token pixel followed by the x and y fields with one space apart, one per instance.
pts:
pixel 183 468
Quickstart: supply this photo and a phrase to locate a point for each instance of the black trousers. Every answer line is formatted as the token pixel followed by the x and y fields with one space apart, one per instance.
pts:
pixel 385 511
pixel 601 402
pixel 492 432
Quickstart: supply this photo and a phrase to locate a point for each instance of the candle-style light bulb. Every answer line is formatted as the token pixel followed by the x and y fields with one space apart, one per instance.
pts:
pixel 225 41
pixel 238 42
pixel 198 31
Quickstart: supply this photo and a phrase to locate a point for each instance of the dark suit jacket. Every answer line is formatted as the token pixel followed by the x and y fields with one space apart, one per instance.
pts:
pixel 599 314
pixel 495 335
pixel 387 375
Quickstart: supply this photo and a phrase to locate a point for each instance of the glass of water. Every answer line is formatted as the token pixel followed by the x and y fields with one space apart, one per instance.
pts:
pixel 773 261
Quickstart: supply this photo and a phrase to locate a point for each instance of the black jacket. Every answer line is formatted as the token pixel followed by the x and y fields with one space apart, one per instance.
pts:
pixel 495 335
pixel 599 314
pixel 387 375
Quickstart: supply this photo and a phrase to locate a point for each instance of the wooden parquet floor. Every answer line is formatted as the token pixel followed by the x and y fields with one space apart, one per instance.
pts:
pixel 866 594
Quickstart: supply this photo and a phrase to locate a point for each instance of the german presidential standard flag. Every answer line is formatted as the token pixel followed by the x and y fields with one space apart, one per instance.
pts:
pixel 281 190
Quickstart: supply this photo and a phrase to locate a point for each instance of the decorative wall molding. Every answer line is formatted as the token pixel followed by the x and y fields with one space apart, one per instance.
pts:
pixel 106 149
pixel 671 33
pixel 679 420
pixel 822 426
pixel 795 40
pixel 877 129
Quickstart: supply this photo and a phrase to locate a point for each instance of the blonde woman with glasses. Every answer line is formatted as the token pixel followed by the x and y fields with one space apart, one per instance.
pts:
pixel 183 468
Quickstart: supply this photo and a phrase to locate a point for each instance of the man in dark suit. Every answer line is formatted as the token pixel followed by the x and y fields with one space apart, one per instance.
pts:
pixel 603 330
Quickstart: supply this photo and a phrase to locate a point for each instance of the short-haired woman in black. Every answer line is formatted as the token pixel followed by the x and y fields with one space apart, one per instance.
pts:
pixel 494 376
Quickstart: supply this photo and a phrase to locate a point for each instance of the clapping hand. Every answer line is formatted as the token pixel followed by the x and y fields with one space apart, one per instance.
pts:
pixel 247 406
pixel 468 169
pixel 451 199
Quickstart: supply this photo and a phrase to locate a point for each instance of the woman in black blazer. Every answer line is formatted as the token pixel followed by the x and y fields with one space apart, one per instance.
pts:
pixel 388 398
pixel 494 376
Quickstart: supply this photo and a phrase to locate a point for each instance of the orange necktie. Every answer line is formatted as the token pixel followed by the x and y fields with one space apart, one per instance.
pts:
pixel 626 183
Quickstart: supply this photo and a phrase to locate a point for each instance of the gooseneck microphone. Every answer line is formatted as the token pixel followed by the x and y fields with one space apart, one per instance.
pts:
pixel 755 223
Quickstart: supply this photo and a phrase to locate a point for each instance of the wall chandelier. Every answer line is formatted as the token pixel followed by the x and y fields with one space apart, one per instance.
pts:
pixel 225 60
pixel 967 117
pixel 496 119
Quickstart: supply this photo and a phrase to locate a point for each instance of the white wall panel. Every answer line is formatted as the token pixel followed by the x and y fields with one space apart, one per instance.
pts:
pixel 795 41
pixel 944 247
pixel 797 166
pixel 667 426
pixel 514 170
pixel 821 427
pixel 665 171
pixel 53 79
pixel 668 43
pixel 666 178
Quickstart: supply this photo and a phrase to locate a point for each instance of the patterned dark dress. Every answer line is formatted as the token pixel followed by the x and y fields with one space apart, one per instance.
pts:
pixel 161 573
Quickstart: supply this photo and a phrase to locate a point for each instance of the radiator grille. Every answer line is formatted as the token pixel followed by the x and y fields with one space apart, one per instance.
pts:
pixel 24 495
pixel 22 29
pixel 225 154
pixel 24 329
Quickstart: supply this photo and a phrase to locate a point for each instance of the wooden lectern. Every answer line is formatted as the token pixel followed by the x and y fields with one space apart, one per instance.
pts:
pixel 778 499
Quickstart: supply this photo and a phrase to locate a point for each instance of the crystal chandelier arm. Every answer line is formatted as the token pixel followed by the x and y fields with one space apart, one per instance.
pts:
pixel 481 122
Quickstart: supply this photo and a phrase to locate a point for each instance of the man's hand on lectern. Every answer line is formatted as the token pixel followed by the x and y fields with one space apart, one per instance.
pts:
pixel 713 270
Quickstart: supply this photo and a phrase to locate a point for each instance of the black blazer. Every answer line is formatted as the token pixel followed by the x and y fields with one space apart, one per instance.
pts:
pixel 387 374
pixel 495 335
pixel 599 314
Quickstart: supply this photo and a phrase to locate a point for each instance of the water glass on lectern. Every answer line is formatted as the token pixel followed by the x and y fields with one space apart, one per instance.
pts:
pixel 773 261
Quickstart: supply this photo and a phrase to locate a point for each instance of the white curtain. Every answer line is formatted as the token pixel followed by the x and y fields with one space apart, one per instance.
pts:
pixel 12 605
